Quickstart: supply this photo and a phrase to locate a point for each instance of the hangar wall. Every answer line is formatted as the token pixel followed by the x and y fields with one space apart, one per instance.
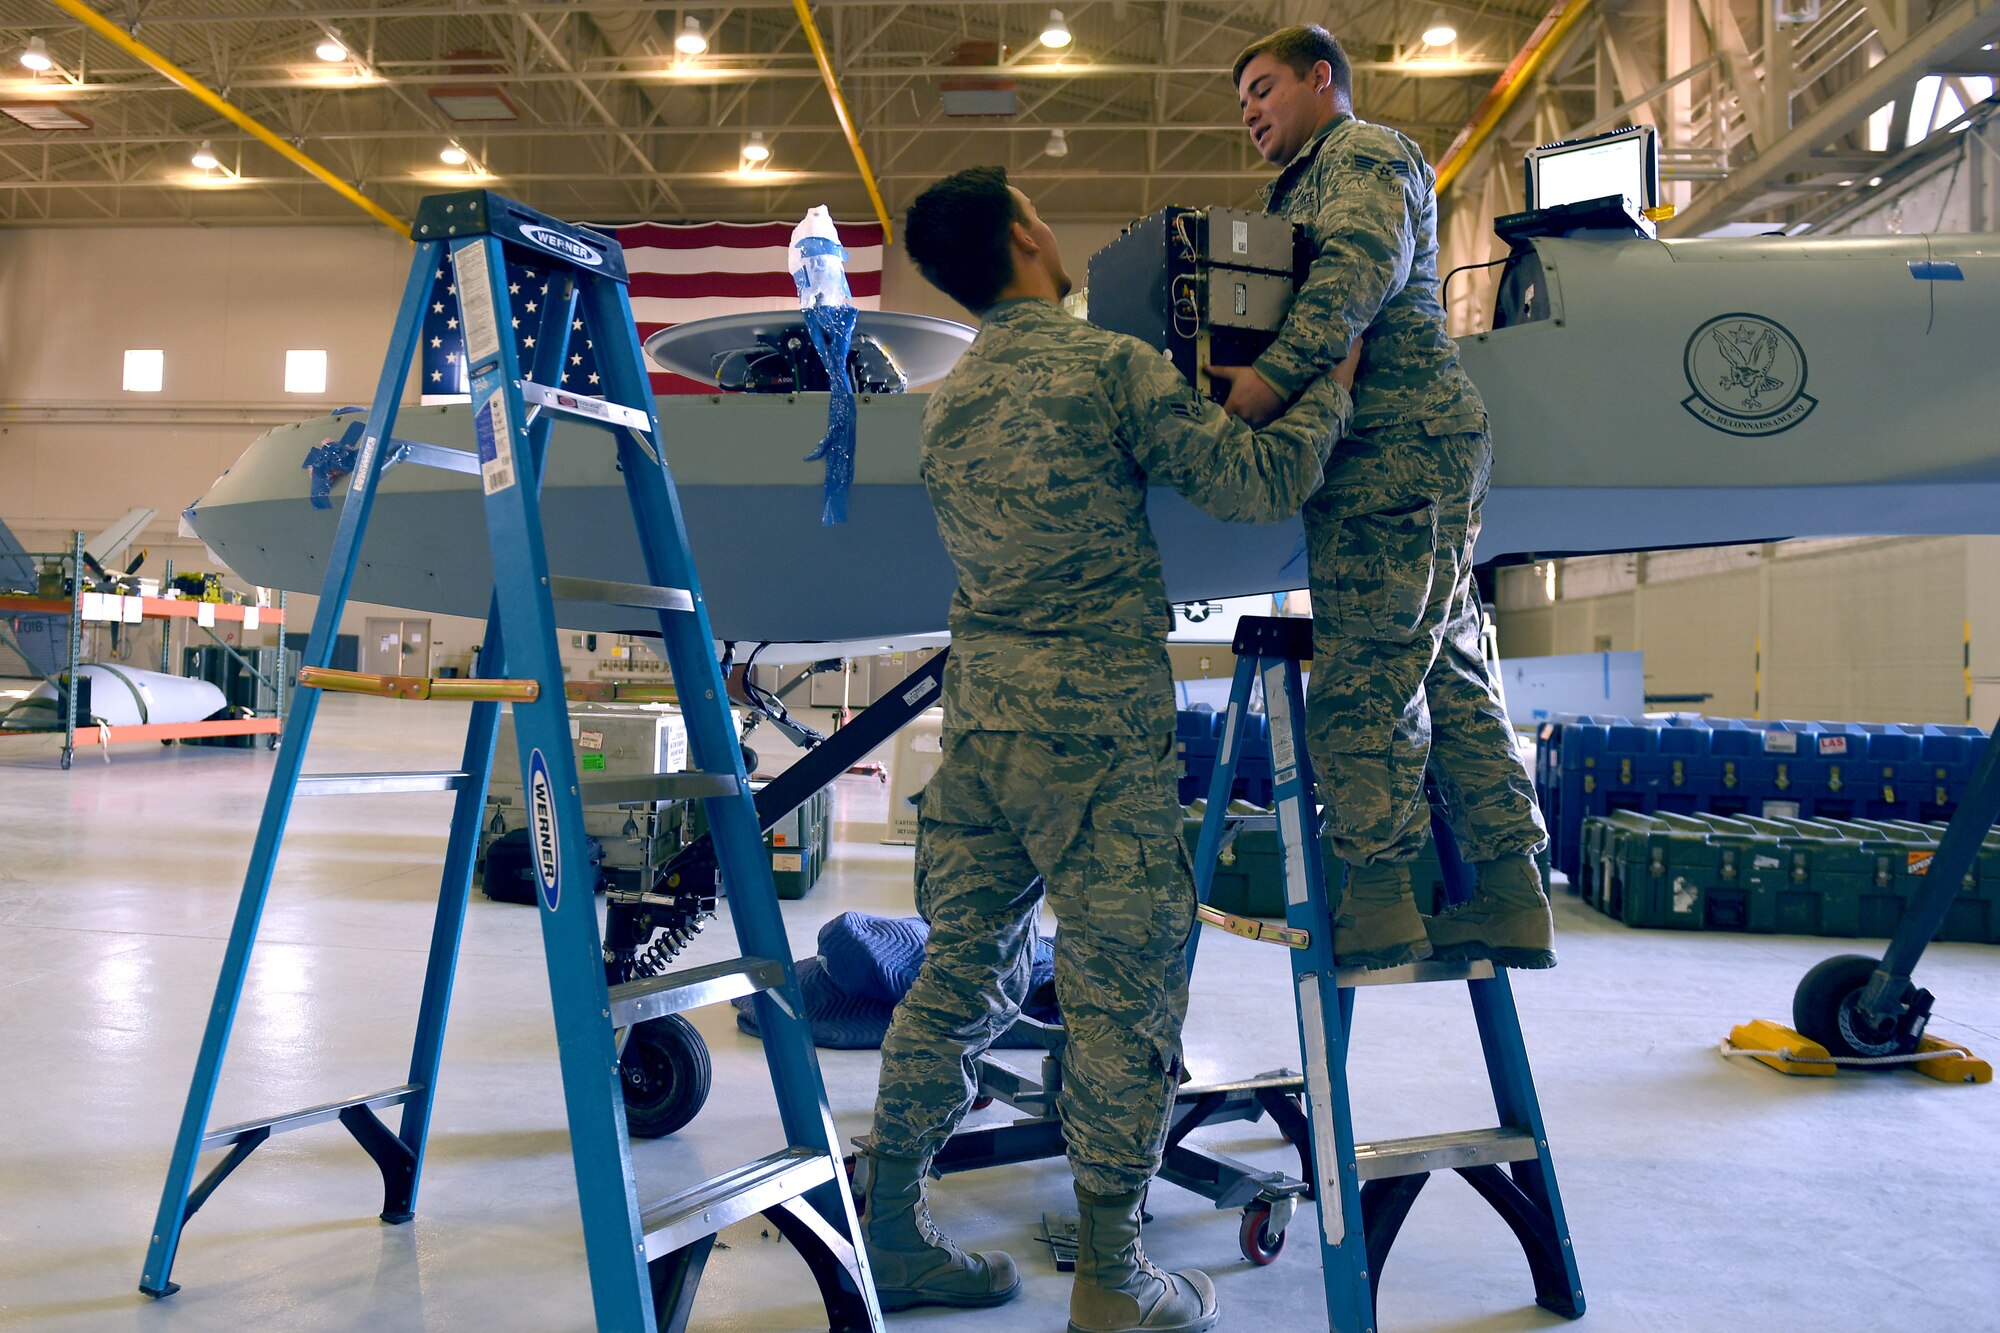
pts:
pixel 1866 630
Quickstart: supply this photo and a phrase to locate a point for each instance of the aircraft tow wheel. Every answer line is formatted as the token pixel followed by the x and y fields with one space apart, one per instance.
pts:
pixel 665 1073
pixel 1260 1245
pixel 1825 1009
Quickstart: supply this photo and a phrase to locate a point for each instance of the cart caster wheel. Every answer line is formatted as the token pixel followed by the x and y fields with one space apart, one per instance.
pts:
pixel 665 1074
pixel 1255 1238
pixel 1823 1008
pixel 981 1103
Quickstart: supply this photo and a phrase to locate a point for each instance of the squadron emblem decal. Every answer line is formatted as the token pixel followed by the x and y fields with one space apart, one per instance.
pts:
pixel 1748 374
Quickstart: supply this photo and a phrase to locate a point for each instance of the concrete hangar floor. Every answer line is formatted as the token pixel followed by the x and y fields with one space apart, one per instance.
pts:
pixel 1702 1194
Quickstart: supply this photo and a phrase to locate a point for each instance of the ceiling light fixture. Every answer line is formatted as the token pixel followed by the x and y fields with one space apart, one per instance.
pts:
pixel 1440 32
pixel 1055 33
pixel 690 40
pixel 205 158
pixel 755 151
pixel 454 156
pixel 35 55
pixel 330 50
pixel 1058 144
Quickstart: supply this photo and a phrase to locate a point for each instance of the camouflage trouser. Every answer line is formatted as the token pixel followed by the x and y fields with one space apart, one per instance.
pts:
pixel 1096 817
pixel 1398 680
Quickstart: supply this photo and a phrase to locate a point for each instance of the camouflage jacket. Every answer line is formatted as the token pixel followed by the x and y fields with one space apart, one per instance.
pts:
pixel 1037 451
pixel 1368 201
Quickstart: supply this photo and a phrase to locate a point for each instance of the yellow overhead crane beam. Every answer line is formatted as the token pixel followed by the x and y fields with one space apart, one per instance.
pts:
pixel 826 75
pixel 1547 38
pixel 215 102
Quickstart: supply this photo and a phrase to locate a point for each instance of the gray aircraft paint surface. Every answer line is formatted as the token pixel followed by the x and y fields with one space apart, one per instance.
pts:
pixel 1672 393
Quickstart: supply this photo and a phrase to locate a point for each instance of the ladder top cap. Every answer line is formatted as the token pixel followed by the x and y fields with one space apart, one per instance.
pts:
pixel 463 214
pixel 1289 637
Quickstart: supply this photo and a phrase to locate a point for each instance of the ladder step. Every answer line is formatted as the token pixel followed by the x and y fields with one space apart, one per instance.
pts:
pixel 1443 1152
pixel 311 1115
pixel 694 988
pixel 1413 973
pixel 605 592
pixel 643 789
pixel 729 1198
pixel 360 784
pixel 597 411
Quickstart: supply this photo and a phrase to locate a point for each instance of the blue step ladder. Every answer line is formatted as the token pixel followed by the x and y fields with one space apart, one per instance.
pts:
pixel 1365 1190
pixel 645 1262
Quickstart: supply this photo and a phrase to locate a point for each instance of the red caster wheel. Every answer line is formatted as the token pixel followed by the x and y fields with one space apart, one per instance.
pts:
pixel 1259 1245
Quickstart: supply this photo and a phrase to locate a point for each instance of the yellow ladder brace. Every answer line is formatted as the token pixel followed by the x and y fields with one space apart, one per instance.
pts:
pixel 515 691
pixel 417 687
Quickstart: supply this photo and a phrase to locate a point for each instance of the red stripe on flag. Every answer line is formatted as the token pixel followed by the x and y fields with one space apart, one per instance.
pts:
pixel 732 235
pixel 868 282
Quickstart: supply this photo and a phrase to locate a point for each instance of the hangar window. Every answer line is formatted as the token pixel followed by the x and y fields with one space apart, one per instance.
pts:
pixel 145 370
pixel 305 372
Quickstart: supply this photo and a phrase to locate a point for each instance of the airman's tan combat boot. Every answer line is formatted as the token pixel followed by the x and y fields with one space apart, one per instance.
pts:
pixel 1378 924
pixel 1118 1289
pixel 912 1261
pixel 1507 921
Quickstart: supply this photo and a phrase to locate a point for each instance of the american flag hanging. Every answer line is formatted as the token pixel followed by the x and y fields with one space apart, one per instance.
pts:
pixel 678 273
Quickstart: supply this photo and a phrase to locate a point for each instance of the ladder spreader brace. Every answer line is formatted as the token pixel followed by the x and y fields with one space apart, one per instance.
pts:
pixel 645 1262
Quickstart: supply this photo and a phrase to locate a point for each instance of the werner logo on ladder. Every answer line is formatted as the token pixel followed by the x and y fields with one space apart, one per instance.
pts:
pixel 1365 1190
pixel 644 1263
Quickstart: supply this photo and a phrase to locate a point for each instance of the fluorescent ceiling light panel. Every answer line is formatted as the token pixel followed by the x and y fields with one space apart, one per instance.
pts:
pixel 470 103
pixel 45 116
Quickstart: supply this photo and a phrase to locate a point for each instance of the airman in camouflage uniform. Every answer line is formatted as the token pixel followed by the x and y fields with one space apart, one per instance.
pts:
pixel 1398 682
pixel 1059 765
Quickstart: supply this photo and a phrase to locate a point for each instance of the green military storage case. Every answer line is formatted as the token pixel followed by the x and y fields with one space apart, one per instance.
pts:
pixel 1842 878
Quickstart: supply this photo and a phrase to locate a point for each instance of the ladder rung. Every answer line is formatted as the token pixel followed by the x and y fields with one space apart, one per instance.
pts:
pixel 1412 973
pixel 598 411
pixel 729 1198
pixel 643 789
pixel 605 592
pixel 360 784
pixel 418 687
pixel 637 1001
pixel 311 1115
pixel 1442 1152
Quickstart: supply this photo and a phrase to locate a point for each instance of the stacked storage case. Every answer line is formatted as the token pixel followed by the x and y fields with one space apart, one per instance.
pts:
pixel 1589 767
pixel 1848 878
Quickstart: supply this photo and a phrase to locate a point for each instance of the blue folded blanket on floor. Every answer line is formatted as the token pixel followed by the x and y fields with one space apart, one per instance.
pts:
pixel 865 965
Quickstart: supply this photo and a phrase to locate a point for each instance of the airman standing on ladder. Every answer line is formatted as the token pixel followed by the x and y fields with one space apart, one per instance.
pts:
pixel 1058 757
pixel 1399 684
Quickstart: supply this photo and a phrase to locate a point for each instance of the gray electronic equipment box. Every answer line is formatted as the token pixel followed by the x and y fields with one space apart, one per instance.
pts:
pixel 1207 286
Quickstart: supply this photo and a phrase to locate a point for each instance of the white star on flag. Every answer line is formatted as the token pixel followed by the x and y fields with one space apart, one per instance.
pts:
pixel 437 342
pixel 513 289
pixel 437 307
pixel 593 377
pixel 531 307
pixel 529 340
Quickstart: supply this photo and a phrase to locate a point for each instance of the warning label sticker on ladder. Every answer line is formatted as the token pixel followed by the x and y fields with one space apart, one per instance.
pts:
pixel 493 431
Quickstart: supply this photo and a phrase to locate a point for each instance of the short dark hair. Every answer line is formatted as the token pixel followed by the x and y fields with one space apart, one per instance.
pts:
pixel 1301 48
pixel 956 234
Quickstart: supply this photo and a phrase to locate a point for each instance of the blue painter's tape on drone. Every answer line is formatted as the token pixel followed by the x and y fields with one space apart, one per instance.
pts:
pixel 1936 270
pixel 542 829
